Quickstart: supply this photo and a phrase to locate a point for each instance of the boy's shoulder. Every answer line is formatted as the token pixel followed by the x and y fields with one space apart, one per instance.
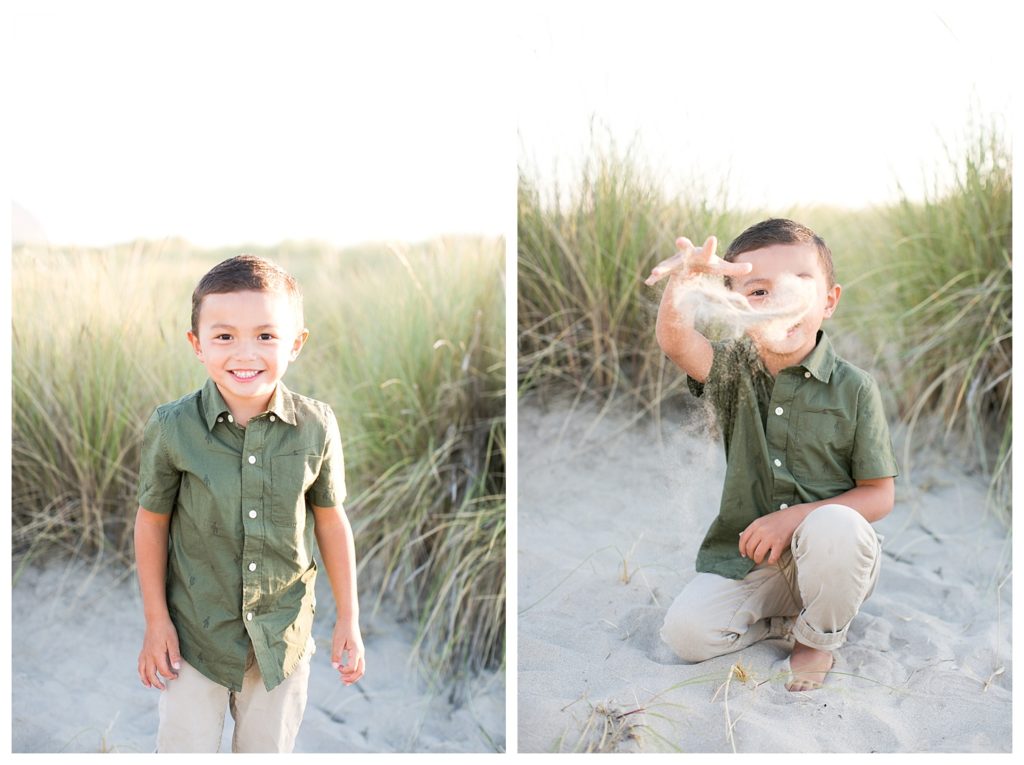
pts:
pixel 172 409
pixel 320 410
pixel 848 373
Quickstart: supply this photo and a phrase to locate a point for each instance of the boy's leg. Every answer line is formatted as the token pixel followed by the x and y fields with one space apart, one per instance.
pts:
pixel 191 713
pixel 714 615
pixel 268 721
pixel 837 556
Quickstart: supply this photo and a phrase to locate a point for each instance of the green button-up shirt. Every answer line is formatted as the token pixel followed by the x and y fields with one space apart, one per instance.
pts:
pixel 807 435
pixel 240 568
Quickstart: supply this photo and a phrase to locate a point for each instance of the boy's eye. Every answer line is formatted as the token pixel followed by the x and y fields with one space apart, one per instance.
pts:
pixel 223 337
pixel 758 293
pixel 266 336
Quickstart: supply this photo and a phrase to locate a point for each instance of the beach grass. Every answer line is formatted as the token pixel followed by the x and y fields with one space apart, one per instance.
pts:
pixel 944 285
pixel 926 304
pixel 406 344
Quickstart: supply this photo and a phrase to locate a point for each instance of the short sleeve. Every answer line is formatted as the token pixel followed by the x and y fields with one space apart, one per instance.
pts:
pixel 873 454
pixel 159 479
pixel 328 490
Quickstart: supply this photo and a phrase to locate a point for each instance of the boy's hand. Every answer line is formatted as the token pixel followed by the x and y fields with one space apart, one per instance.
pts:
pixel 770 535
pixel 348 640
pixel 160 655
pixel 691 261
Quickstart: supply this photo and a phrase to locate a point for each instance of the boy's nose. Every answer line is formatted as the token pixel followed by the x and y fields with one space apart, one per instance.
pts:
pixel 245 351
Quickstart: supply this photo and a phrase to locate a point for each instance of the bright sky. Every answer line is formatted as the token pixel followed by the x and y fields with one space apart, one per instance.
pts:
pixel 231 122
pixel 790 102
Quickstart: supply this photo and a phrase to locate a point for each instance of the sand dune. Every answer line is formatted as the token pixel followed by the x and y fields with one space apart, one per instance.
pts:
pixel 77 635
pixel 610 517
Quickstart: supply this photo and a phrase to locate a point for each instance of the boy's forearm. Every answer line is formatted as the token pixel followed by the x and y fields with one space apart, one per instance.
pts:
pixel 677 334
pixel 151 564
pixel 337 548
pixel 874 501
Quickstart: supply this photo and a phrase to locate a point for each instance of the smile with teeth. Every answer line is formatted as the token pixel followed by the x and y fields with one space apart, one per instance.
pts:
pixel 245 374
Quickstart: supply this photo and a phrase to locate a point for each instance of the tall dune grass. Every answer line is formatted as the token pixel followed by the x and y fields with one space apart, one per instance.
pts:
pixel 944 289
pixel 406 344
pixel 927 300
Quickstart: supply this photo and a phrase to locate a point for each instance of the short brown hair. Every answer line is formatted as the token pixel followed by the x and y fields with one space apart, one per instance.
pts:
pixel 241 273
pixel 782 231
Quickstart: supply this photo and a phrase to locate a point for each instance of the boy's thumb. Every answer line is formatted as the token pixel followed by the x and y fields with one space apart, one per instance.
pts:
pixel 175 655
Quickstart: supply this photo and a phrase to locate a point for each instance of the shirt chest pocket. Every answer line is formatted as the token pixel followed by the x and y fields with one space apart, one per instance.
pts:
pixel 823 448
pixel 291 475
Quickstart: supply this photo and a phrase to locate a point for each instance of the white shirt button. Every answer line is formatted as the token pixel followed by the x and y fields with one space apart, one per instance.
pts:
pixel 778 410
pixel 783 506
pixel 778 463
pixel 248 616
pixel 807 374
pixel 273 418
pixel 252 513
pixel 252 566
pixel 230 418
pixel 220 419
pixel 252 459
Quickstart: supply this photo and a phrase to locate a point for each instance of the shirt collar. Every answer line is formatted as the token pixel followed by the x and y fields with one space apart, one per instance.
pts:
pixel 822 360
pixel 281 404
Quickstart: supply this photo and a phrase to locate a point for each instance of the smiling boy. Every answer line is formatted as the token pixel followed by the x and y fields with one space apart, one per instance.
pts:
pixel 236 480
pixel 809 461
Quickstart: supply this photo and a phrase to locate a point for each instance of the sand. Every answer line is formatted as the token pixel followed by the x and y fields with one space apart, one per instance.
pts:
pixel 76 638
pixel 610 517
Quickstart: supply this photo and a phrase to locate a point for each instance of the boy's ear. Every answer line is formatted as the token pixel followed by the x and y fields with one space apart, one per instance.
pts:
pixel 299 342
pixel 194 342
pixel 832 299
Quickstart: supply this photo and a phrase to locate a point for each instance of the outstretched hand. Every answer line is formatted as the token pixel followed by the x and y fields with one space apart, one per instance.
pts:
pixel 691 261
pixel 348 641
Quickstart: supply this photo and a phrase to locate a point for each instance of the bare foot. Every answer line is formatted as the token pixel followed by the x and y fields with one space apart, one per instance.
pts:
pixel 808 666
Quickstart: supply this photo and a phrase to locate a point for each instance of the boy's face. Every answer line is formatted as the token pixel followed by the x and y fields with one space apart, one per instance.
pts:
pixel 774 271
pixel 246 341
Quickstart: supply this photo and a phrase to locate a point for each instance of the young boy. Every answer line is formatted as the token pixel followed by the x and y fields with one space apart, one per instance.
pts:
pixel 236 479
pixel 809 461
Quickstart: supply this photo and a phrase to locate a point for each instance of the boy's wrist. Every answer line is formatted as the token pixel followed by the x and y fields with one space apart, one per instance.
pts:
pixel 347 619
pixel 157 615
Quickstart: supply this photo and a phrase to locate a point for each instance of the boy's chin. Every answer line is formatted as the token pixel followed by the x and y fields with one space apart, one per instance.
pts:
pixel 785 345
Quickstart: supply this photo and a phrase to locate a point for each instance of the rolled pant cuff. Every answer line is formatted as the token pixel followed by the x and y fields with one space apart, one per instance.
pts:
pixel 823 641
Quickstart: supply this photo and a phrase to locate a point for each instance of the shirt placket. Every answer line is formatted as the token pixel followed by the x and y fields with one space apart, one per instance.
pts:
pixel 779 436
pixel 254 474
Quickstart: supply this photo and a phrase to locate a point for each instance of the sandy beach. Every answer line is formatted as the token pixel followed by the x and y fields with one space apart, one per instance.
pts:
pixel 77 634
pixel 611 512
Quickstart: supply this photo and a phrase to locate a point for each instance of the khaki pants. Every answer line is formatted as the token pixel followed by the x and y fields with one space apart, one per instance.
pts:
pixel 192 711
pixel 812 593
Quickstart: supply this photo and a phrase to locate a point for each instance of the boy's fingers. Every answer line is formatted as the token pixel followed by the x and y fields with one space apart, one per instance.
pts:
pixel 353 672
pixel 174 654
pixel 153 677
pixel 163 666
pixel 683 244
pixel 710 244
pixel 734 269
pixel 664 268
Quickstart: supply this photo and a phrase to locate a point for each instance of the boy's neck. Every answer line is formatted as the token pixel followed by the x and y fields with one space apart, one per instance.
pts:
pixel 775 363
pixel 244 410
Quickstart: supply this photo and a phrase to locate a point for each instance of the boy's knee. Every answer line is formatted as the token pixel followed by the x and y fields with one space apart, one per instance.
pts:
pixel 835 528
pixel 689 637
